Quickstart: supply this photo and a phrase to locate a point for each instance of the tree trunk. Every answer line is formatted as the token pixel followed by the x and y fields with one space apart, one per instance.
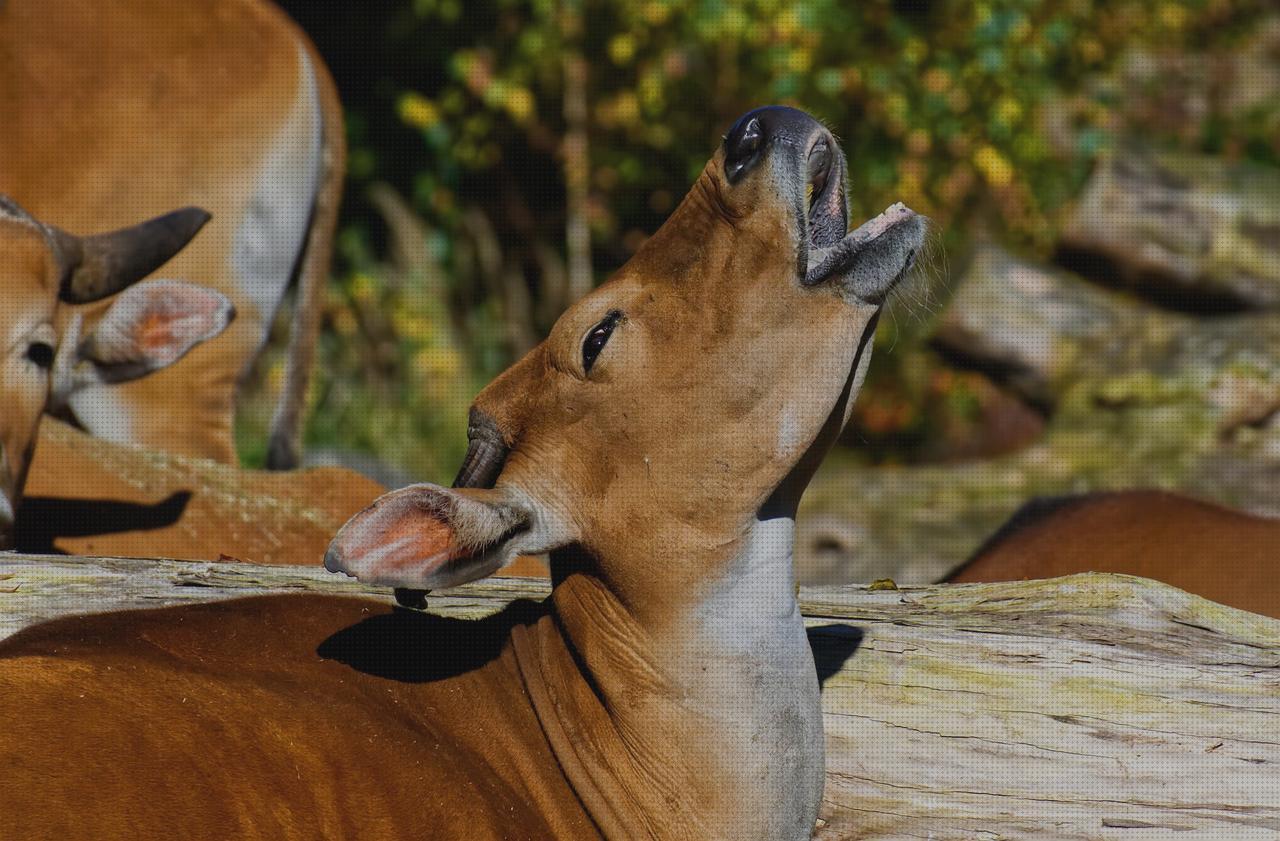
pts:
pixel 505 281
pixel 577 155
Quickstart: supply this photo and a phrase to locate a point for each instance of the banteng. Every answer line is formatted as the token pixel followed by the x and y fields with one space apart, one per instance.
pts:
pixel 57 347
pixel 1226 556
pixel 115 112
pixel 656 444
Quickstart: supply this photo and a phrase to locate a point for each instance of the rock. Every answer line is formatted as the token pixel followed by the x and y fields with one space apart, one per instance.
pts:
pixel 1038 328
pixel 1047 333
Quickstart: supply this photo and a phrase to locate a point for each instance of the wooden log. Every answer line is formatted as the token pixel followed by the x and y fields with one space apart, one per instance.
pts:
pixel 1190 230
pixel 1046 330
pixel 1089 707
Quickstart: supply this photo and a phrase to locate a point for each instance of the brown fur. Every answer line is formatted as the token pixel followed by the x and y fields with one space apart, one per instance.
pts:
pixel 1224 555
pixel 277 718
pixel 167 506
pixel 145 326
pixel 28 275
pixel 112 113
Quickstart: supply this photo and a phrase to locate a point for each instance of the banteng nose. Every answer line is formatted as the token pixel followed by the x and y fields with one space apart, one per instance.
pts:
pixel 774 124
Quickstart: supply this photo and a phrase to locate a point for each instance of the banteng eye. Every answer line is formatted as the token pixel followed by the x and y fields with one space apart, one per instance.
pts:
pixel 40 353
pixel 598 338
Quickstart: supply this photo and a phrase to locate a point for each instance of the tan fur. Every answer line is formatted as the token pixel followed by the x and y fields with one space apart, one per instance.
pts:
pixel 51 350
pixel 28 273
pixel 1214 552
pixel 115 112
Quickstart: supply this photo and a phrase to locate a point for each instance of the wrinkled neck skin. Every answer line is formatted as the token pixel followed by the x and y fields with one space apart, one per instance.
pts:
pixel 712 732
pixel 707 725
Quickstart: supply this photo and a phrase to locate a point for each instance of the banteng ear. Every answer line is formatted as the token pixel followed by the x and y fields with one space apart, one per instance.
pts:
pixel 426 537
pixel 151 325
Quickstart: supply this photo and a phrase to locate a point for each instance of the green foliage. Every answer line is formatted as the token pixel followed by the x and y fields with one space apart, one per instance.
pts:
pixel 938 104
pixel 984 115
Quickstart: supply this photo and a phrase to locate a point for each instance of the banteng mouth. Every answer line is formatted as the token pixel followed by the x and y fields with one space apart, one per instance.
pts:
pixel 869 261
pixel 828 218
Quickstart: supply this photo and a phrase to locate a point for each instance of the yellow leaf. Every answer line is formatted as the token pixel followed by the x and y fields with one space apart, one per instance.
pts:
pixel 519 104
pixel 418 111
pixel 622 48
pixel 994 166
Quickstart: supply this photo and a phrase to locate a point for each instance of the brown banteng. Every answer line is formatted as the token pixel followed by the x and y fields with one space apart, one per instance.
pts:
pixel 55 348
pixel 657 444
pixel 115 112
pixel 1223 555
pixel 132 503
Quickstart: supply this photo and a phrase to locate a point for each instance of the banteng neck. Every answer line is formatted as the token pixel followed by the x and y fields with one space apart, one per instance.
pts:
pixel 707 726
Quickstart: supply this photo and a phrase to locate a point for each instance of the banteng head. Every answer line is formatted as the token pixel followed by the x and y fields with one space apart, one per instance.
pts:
pixel 678 405
pixel 47 357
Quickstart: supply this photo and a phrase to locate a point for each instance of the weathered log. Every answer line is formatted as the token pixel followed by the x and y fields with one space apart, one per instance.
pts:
pixel 1079 708
pixel 1193 230
pixel 1046 330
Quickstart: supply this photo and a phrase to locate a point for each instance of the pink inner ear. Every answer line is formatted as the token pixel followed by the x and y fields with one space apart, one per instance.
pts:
pixel 154 323
pixel 428 540
pixel 399 541
pixel 178 316
pixel 155 332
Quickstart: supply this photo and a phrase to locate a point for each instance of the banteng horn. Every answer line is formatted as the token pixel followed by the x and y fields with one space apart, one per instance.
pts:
pixel 97 266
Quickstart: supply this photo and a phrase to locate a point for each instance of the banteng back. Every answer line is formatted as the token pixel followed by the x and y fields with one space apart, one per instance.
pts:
pixel 115 112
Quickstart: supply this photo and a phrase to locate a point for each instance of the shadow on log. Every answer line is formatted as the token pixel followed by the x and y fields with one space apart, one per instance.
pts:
pixel 1066 709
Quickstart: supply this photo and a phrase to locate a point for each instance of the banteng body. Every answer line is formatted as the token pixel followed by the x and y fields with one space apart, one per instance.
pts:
pixel 115 112
pixel 1223 555
pixel 656 444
